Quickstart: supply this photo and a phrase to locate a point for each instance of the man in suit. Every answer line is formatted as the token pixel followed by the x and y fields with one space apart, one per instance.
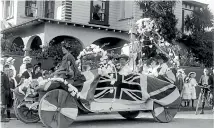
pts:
pixel 4 92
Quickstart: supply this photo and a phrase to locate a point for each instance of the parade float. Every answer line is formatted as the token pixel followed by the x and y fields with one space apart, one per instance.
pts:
pixel 57 102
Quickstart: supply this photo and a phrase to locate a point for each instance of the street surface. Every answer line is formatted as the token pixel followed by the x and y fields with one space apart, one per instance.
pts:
pixel 144 120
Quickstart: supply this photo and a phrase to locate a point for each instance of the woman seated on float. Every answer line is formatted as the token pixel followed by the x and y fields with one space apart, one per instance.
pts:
pixel 124 66
pixel 164 71
pixel 68 69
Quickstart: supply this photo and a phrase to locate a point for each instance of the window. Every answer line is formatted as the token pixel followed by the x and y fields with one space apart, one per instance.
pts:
pixel 30 9
pixel 49 9
pixel 126 9
pixel 99 12
pixel 9 9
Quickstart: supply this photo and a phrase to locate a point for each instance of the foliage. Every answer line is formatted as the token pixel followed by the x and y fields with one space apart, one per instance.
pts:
pixel 10 48
pixel 199 41
pixel 162 13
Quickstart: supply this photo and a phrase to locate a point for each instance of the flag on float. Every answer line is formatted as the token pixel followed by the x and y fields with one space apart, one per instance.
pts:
pixel 135 87
pixel 162 92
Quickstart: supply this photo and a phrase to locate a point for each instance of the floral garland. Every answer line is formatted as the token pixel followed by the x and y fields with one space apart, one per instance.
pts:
pixel 104 65
pixel 92 52
pixel 147 28
pixel 32 84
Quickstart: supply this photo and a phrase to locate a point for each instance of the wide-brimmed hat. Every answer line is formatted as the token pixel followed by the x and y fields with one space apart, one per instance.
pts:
pixel 191 74
pixel 27 58
pixel 9 60
pixel 124 56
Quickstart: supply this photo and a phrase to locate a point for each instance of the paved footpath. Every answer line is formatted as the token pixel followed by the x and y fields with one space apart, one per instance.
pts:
pixel 144 120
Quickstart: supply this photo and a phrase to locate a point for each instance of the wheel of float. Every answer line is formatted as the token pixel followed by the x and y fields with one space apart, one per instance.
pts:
pixel 24 114
pixel 129 114
pixel 57 109
pixel 165 114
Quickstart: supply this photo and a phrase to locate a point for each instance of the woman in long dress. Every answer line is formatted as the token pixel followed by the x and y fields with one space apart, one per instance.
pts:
pixel 68 69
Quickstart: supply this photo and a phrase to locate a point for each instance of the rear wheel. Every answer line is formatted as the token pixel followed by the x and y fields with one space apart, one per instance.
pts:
pixel 58 109
pixel 24 114
pixel 129 114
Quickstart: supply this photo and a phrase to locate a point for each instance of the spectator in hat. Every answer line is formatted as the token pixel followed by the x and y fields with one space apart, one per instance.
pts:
pixel 22 69
pixel 193 83
pixel 10 62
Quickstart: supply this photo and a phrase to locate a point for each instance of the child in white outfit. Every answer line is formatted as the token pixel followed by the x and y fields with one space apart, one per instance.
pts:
pixel 193 83
pixel 186 95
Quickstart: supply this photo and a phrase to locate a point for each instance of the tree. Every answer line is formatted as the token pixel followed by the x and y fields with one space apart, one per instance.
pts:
pixel 162 13
pixel 200 38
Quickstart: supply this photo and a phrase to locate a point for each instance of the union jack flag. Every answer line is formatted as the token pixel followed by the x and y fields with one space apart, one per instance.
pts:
pixel 133 87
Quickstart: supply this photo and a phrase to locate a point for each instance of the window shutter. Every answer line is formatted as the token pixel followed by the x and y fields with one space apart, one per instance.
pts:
pixel 122 9
pixel 67 10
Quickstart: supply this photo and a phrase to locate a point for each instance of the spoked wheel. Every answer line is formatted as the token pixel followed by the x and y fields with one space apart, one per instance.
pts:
pixel 57 109
pixel 24 114
pixel 165 114
pixel 198 103
pixel 129 114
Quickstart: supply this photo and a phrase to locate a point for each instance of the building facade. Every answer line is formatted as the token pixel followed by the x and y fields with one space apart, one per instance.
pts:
pixel 37 23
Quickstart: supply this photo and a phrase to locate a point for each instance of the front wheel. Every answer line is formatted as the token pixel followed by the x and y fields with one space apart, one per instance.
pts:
pixel 24 114
pixel 198 103
pixel 130 115
pixel 165 114
pixel 58 109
